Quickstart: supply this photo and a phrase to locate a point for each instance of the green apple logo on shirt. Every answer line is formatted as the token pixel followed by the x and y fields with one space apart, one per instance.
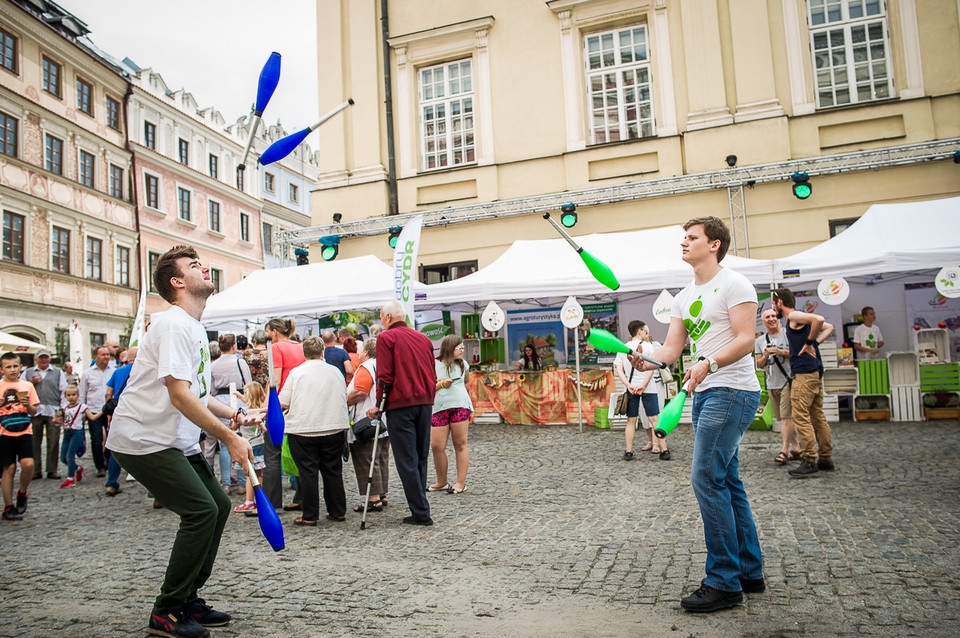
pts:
pixel 204 358
pixel 696 329
pixel 871 341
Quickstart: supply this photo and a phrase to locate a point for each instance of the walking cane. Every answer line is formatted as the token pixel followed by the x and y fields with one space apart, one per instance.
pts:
pixel 373 457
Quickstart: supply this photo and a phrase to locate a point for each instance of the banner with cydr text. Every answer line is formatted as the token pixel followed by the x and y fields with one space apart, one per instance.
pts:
pixel 405 266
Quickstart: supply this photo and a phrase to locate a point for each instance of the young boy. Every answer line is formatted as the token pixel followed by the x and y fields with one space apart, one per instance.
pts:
pixel 18 402
pixel 73 415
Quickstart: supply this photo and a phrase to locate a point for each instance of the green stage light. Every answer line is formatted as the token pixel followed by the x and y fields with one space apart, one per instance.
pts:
pixel 394 236
pixel 568 215
pixel 330 247
pixel 802 188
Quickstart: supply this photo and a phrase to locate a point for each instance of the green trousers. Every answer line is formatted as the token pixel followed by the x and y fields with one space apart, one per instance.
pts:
pixel 187 487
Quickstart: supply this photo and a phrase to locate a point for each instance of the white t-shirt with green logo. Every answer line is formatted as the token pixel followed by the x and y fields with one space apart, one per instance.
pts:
pixel 705 311
pixel 869 338
pixel 145 420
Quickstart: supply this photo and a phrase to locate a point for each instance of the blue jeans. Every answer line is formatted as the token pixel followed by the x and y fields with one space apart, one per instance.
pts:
pixel 113 473
pixel 720 417
pixel 72 439
pixel 226 464
pixel 96 442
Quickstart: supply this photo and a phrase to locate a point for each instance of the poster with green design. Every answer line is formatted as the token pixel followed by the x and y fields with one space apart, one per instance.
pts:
pixel 595 315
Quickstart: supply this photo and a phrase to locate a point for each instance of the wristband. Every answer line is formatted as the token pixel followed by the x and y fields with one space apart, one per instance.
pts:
pixel 810 342
pixel 238 413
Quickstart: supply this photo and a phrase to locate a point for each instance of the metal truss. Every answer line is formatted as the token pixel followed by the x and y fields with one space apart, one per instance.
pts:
pixel 740 244
pixel 713 180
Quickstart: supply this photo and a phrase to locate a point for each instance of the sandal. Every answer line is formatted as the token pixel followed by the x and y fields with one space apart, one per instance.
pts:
pixel 300 521
pixel 655 450
pixel 647 447
pixel 795 455
pixel 372 506
pixel 438 488
pixel 781 459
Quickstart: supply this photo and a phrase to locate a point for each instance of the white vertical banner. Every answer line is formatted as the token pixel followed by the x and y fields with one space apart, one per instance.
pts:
pixel 405 266
pixel 136 332
pixel 77 346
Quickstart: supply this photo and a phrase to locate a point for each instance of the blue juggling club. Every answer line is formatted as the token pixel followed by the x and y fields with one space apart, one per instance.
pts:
pixel 269 521
pixel 285 145
pixel 275 421
pixel 269 78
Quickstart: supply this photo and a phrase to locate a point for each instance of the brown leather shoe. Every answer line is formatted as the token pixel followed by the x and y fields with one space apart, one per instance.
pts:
pixel 53 475
pixel 339 519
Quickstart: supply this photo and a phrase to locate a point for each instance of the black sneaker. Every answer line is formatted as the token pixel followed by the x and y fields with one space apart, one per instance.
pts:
pixel 22 501
pixel 206 615
pixel 628 456
pixel 665 455
pixel 708 598
pixel 413 520
pixel 805 469
pixel 826 465
pixel 753 585
pixel 176 624
pixel 10 513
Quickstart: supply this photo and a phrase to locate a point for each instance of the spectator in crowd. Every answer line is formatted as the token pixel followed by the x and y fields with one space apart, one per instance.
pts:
pixel 18 402
pixel 229 368
pixel 867 338
pixel 529 360
pixel 115 386
pixel 375 330
pixel 452 409
pixel 72 377
pixel 287 355
pixel 254 397
pixel 49 382
pixel 316 424
pixel 361 396
pixel 336 356
pixel 93 388
pixel 773 356
pixel 408 376
pixel 73 415
pixel 350 347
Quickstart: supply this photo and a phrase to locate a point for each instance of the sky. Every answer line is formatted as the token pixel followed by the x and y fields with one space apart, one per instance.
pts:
pixel 215 49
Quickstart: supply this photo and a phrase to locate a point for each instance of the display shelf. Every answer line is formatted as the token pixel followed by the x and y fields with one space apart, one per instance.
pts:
pixel 840 380
pixel 941 404
pixel 941 376
pixel 470 326
pixel 874 378
pixel 831 408
pixel 933 345
pixel 828 353
pixel 905 403
pixel 871 407
pixel 492 350
pixel 903 368
pixel 471 351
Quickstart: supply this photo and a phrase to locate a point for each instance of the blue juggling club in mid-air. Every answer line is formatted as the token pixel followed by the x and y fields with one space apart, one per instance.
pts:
pixel 269 521
pixel 285 145
pixel 274 409
pixel 269 78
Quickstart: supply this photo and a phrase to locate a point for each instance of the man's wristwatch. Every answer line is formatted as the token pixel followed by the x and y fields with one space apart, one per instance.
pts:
pixel 712 365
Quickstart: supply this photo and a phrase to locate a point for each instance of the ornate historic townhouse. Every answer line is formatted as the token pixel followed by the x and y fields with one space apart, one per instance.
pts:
pixel 69 223
pixel 189 188
pixel 642 113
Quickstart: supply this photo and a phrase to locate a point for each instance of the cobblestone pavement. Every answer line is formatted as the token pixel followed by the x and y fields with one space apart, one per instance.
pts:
pixel 555 536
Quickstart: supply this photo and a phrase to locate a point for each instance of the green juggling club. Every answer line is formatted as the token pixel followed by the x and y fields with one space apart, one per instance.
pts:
pixel 670 415
pixel 606 342
pixel 600 271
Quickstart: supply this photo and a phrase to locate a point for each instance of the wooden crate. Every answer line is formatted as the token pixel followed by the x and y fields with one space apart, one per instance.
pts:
pixel 904 368
pixel 872 415
pixel 905 403
pixel 831 408
pixel 874 378
pixel 840 380
pixel 942 413
pixel 879 409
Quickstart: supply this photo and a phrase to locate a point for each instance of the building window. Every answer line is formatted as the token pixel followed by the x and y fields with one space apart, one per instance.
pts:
pixel 184 152
pixel 97 340
pixel 152 260
pixel 116 181
pixel 850 51
pixel 8 135
pixel 51 76
pixel 244 227
pixel 94 258
pixel 213 166
pixel 84 97
pixel 837 226
pixel 267 237
pixel 239 178
pixel 268 182
pixel 619 95
pixel 8 51
pixel 61 250
pixel 183 200
pixel 447 272
pixel 216 278
pixel 214 216
pixel 150 135
pixel 54 154
pixel 294 193
pixel 152 187
pixel 113 113
pixel 87 168
pixel 446 115
pixel 123 266
pixel 13 236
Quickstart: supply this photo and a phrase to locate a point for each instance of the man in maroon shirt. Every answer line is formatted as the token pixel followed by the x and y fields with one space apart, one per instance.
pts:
pixel 405 370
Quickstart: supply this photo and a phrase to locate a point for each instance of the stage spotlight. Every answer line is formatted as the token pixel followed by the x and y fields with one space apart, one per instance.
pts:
pixel 802 188
pixel 394 236
pixel 330 247
pixel 303 256
pixel 337 217
pixel 956 157
pixel 568 215
pixel 731 160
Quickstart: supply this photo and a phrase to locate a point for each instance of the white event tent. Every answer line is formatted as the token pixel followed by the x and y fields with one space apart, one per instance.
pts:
pixel 642 260
pixel 13 343
pixel 887 238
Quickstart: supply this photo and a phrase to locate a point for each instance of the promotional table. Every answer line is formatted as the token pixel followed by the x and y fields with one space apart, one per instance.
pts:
pixel 531 398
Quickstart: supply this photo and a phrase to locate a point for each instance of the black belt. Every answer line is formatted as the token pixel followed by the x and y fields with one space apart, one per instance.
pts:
pixel 221 391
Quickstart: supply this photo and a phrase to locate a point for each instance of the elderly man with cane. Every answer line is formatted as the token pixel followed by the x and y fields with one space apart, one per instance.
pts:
pixel 406 373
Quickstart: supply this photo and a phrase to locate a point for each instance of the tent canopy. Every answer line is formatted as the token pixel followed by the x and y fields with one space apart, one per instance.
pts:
pixel 12 343
pixel 312 290
pixel 887 238
pixel 642 260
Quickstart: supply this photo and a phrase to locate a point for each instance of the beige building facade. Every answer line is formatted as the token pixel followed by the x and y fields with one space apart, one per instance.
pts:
pixel 69 223
pixel 634 111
